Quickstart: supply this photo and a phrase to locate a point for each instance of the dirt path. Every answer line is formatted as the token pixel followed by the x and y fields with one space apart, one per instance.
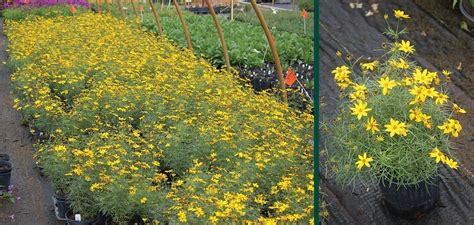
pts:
pixel 440 44
pixel 35 206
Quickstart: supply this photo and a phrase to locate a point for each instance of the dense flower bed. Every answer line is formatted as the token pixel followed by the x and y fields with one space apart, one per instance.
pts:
pixel 136 126
pixel 38 3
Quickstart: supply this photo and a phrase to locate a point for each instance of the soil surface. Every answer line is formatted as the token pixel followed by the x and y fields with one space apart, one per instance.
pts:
pixel 440 44
pixel 35 206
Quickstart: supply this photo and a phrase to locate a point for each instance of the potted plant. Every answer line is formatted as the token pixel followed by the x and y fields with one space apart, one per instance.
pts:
pixel 5 174
pixel 74 218
pixel 394 127
pixel 61 204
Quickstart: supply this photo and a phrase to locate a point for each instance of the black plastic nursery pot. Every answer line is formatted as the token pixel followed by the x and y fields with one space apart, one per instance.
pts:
pixel 4 157
pixel 467 9
pixel 5 174
pixel 70 219
pixel 61 206
pixel 411 201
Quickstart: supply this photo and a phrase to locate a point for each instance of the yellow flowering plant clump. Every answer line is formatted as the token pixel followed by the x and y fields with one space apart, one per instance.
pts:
pixel 396 122
pixel 137 126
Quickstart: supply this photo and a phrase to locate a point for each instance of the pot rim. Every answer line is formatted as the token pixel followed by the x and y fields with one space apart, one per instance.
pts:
pixel 465 12
pixel 432 178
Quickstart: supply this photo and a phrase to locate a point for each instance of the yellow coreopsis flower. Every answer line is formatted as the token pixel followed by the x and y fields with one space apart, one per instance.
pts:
pixel 369 66
pixel 438 155
pixel 416 114
pixel 441 99
pixel 402 64
pixel 386 84
pixel 451 163
pixel 447 74
pixel 451 126
pixel 420 93
pixel 405 47
pixel 143 200
pixel 372 125
pixel 396 127
pixel 360 109
pixel 421 77
pixel 182 216
pixel 458 109
pixel 399 14
pixel 380 138
pixel 363 161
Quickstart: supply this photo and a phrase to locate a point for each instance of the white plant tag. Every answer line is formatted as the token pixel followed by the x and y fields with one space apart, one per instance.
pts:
pixel 77 217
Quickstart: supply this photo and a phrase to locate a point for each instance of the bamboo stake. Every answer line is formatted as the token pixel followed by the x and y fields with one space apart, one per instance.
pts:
pixel 221 35
pixel 134 9
pixel 183 23
pixel 97 2
pixel 121 8
pixel 231 10
pixel 157 19
pixel 271 42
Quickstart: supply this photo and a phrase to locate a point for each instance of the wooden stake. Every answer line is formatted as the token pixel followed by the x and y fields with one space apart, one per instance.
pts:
pixel 231 10
pixel 157 19
pixel 219 32
pixel 121 8
pixel 97 2
pixel 271 42
pixel 183 23
pixel 134 9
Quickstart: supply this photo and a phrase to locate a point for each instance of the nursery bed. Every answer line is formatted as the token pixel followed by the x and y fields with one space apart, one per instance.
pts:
pixel 440 44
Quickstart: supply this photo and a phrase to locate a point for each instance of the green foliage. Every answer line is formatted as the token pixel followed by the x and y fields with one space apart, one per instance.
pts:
pixel 306 4
pixel 246 43
pixel 21 13
pixel 288 21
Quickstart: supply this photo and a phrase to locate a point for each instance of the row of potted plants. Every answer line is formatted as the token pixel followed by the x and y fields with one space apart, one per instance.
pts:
pixel 141 123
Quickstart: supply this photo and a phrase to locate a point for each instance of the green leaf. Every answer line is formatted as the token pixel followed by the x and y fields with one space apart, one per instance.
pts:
pixel 464 26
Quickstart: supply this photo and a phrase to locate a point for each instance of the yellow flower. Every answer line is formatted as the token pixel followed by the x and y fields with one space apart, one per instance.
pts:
pixel 338 53
pixel 402 64
pixel 458 109
pixel 380 138
pixel 405 47
pixel 416 114
pixel 372 125
pixel 451 126
pixel 386 84
pixel 399 14
pixel 369 66
pixel 441 99
pixel 420 93
pixel 132 190
pixel 396 127
pixel 451 163
pixel 446 73
pixel 360 109
pixel 104 135
pixel 438 155
pixel 182 216
pixel 385 16
pixel 363 161
pixel 421 77
pixel 143 200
